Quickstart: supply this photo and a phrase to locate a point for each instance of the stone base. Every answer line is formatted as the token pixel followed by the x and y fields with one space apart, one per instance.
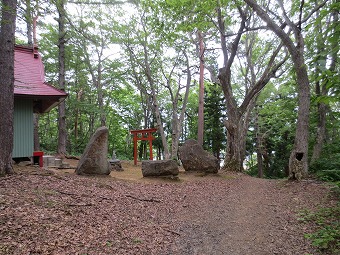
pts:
pixel 116 165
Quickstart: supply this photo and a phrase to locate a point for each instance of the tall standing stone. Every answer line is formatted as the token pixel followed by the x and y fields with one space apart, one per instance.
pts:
pixel 94 159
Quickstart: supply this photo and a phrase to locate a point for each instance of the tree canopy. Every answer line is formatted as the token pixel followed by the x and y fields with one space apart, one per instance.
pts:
pixel 271 72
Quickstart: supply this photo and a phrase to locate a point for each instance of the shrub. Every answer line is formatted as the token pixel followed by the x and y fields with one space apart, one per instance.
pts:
pixel 327 236
pixel 327 168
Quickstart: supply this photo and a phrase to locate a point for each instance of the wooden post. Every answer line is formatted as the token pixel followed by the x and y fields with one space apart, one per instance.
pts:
pixel 135 148
pixel 150 138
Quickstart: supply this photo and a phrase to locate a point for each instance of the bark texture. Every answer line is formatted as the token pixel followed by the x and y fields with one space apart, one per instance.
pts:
pixel 238 117
pixel 321 87
pixel 200 131
pixel 7 40
pixel 298 161
pixel 62 136
pixel 177 119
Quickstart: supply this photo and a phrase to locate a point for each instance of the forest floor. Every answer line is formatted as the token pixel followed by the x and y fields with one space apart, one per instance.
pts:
pixel 58 212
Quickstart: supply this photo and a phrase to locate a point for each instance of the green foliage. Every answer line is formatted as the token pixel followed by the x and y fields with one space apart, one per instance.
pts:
pixel 327 235
pixel 166 29
pixel 214 109
pixel 327 167
pixel 277 116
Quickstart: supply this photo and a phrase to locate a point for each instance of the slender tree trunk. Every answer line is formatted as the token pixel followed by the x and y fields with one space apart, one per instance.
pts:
pixel 177 121
pixel 200 135
pixel 160 124
pixel 100 94
pixel 28 20
pixel 322 90
pixel 155 102
pixel 31 24
pixel 7 40
pixel 36 132
pixel 35 115
pixel 259 146
pixel 62 135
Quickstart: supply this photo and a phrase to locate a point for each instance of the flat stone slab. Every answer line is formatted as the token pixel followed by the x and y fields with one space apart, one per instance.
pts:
pixel 159 168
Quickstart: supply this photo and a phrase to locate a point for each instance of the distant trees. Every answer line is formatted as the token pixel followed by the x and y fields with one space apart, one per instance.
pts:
pixel 271 75
pixel 7 40
pixel 214 131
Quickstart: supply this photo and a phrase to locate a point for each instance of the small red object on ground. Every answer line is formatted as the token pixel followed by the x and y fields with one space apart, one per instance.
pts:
pixel 38 158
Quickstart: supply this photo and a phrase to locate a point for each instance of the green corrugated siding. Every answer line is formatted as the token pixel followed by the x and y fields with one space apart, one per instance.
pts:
pixel 23 128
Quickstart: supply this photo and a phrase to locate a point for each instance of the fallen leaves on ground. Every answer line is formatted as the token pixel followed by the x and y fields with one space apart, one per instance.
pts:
pixel 69 214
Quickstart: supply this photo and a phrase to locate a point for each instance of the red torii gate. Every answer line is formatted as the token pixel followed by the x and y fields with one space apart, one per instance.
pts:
pixel 144 135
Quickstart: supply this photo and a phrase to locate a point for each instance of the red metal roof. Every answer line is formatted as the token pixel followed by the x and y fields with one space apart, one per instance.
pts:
pixel 29 79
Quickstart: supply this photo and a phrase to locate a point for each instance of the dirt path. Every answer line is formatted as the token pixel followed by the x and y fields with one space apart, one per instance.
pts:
pixel 250 216
pixel 44 212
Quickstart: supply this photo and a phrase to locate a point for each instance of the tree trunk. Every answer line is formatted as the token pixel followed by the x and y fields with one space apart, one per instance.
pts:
pixel 157 112
pixel 62 135
pixel 298 161
pixel 7 40
pixel 200 131
pixel 232 159
pixel 36 132
pixel 322 90
pixel 28 20
pixel 160 124
pixel 259 146
pixel 177 121
pixel 31 40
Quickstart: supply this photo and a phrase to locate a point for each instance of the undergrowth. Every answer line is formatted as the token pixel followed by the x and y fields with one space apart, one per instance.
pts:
pixel 327 221
pixel 327 167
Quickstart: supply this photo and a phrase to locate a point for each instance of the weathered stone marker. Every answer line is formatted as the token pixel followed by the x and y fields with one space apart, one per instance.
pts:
pixel 94 159
pixel 195 158
pixel 159 168
pixel 115 163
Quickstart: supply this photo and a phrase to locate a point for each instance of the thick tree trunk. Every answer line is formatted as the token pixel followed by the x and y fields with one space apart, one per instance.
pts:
pixel 298 161
pixel 232 161
pixel 62 135
pixel 7 40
